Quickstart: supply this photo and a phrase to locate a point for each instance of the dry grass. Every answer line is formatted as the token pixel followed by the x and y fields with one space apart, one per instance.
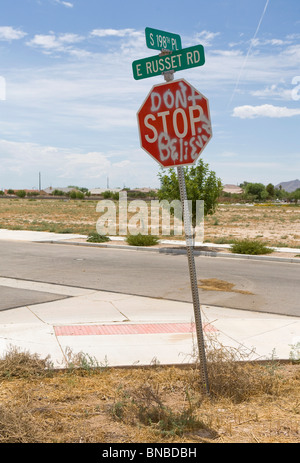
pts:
pixel 17 364
pixel 249 402
pixel 277 225
pixel 59 216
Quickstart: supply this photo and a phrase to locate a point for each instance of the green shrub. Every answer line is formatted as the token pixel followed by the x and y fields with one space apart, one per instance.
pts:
pixel 76 194
pixel 33 193
pixel 96 238
pixel 251 247
pixel 58 193
pixel 142 240
pixel 21 193
pixel 110 195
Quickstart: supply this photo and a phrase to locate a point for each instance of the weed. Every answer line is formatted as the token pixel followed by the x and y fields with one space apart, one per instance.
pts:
pixel 251 247
pixel 18 364
pixel 66 230
pixel 146 406
pixel 232 375
pixel 295 353
pixel 142 240
pixel 96 238
pixel 83 362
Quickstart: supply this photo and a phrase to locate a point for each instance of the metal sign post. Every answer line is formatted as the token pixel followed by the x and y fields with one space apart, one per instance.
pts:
pixel 193 276
pixel 174 125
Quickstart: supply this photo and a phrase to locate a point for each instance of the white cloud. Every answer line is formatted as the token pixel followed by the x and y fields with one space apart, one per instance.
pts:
pixel 70 38
pixel 228 154
pixel 226 53
pixel 21 162
pixel 9 33
pixel 204 37
pixel 208 35
pixel 2 89
pixel 115 33
pixel 44 41
pixel 21 158
pixel 292 53
pixel 275 42
pixel 274 91
pixel 50 42
pixel 66 4
pixel 267 110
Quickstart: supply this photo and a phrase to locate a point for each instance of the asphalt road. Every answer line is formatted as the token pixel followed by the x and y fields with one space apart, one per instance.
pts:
pixel 272 287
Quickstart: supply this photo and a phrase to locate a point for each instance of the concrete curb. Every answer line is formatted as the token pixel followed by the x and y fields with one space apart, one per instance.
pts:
pixel 176 251
pixel 54 238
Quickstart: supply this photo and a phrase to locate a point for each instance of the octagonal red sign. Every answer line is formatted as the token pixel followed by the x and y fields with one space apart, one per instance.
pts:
pixel 174 123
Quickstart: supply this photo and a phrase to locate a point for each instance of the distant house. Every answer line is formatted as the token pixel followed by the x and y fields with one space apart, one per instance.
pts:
pixel 34 192
pixel 49 191
pixel 100 191
pixel 228 188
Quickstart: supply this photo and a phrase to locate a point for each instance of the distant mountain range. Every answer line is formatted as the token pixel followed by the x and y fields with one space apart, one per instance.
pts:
pixel 290 186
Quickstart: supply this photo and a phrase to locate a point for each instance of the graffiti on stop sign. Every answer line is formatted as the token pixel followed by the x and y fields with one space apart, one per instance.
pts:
pixel 175 123
pixel 177 149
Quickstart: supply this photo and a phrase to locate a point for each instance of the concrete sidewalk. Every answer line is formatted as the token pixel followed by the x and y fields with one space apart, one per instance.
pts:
pixel 27 235
pixel 117 329
pixel 124 330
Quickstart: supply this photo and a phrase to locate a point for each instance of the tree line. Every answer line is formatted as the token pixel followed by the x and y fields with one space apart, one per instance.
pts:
pixel 201 183
pixel 261 192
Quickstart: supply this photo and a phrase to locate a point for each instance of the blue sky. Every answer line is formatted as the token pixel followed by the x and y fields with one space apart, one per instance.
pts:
pixel 68 100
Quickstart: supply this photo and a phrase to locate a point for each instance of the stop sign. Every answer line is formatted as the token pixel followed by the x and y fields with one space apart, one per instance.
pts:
pixel 174 123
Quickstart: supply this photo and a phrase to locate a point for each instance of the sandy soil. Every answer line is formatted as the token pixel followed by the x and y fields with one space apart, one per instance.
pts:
pixel 276 225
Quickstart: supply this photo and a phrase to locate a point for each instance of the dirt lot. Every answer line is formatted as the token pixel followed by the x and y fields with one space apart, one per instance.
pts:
pixel 277 225
pixel 248 403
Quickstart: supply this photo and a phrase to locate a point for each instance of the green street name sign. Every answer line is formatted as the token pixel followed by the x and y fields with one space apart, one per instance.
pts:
pixel 177 61
pixel 161 40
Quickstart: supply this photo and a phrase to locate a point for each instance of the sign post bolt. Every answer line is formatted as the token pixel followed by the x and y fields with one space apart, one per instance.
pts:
pixel 168 75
